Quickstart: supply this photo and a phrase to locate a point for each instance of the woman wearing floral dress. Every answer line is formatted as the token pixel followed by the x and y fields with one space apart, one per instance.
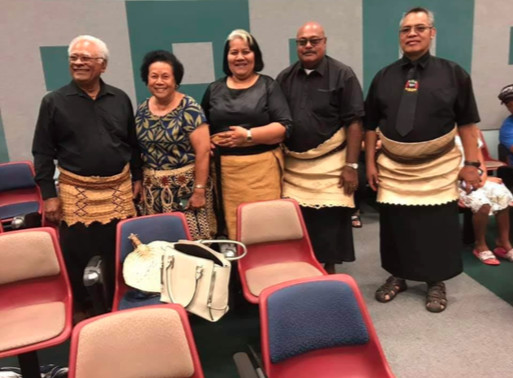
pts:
pixel 175 143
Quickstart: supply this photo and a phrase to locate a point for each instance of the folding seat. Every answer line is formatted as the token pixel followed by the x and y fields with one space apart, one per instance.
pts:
pixel 278 246
pixel 35 296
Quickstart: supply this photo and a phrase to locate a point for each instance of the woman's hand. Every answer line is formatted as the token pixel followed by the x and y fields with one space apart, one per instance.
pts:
pixel 235 137
pixel 197 200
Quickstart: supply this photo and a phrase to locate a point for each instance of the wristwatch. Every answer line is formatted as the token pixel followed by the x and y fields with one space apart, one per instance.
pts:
pixel 249 137
pixel 476 164
pixel 352 165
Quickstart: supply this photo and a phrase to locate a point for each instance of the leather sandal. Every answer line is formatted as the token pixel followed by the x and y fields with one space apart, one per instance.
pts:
pixel 436 298
pixel 390 289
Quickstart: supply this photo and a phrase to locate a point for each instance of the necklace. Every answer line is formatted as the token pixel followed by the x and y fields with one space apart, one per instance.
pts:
pixel 162 110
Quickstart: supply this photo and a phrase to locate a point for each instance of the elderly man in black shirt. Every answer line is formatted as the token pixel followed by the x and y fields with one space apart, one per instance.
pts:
pixel 417 102
pixel 326 102
pixel 88 127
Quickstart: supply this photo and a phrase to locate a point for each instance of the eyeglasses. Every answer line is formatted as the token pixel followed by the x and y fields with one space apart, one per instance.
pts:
pixel 416 28
pixel 83 58
pixel 313 41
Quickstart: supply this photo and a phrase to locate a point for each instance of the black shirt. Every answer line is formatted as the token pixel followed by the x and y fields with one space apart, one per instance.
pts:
pixel 445 98
pixel 321 102
pixel 258 105
pixel 87 137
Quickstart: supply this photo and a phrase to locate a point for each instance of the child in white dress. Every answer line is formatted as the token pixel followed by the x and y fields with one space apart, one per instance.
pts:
pixel 492 198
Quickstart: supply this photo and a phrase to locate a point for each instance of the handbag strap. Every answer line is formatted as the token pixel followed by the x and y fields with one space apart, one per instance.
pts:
pixel 168 262
pixel 226 241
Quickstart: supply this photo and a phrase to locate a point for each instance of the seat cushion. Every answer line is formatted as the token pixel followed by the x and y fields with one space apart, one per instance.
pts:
pixel 293 316
pixel 22 208
pixel 264 276
pixel 33 324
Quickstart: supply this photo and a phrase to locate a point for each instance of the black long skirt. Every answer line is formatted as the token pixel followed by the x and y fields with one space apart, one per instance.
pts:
pixel 331 233
pixel 421 243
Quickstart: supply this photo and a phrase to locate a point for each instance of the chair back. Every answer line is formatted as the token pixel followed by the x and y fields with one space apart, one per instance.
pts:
pixel 295 343
pixel 153 341
pixel 169 227
pixel 19 194
pixel 36 302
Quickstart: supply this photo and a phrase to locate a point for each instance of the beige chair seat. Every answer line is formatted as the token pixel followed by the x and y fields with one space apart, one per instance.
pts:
pixel 264 276
pixel 32 324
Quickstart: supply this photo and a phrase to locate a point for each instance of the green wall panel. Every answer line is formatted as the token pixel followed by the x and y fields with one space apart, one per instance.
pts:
pixel 55 66
pixel 157 25
pixel 453 21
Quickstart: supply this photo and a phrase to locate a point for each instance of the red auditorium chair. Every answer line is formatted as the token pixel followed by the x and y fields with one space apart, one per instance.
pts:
pixel 35 296
pixel 278 246
pixel 318 327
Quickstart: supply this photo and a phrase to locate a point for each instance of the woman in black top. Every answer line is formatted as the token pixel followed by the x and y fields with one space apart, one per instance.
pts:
pixel 249 117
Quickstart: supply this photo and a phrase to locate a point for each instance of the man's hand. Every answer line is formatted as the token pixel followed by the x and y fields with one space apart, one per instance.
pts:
pixel 470 176
pixel 372 176
pixel 348 180
pixel 53 211
pixel 136 189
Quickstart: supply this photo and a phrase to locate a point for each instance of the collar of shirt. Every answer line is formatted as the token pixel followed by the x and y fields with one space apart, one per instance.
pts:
pixel 321 68
pixel 421 62
pixel 73 89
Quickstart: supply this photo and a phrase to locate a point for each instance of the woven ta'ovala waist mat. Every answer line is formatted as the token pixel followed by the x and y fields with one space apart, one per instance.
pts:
pixel 422 173
pixel 88 199
pixel 312 177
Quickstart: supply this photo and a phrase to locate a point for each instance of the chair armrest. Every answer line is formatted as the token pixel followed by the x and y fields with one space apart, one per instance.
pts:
pixel 245 368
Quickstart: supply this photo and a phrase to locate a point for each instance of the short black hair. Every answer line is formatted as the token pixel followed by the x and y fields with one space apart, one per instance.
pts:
pixel 161 56
pixel 253 46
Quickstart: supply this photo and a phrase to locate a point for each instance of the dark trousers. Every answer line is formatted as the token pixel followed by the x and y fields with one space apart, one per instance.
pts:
pixel 79 243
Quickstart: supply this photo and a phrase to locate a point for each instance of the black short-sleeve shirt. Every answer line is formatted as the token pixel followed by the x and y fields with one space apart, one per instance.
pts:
pixel 445 99
pixel 321 102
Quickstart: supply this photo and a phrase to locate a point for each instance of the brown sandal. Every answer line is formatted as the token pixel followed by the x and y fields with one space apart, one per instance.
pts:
pixel 436 298
pixel 390 289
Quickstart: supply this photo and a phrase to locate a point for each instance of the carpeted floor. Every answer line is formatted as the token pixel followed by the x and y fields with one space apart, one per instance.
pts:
pixel 472 338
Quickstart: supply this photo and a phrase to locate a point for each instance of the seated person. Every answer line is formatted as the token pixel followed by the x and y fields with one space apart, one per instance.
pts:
pixel 506 131
pixel 492 198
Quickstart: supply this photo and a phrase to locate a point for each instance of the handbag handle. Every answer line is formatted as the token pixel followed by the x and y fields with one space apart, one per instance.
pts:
pixel 227 241
pixel 169 265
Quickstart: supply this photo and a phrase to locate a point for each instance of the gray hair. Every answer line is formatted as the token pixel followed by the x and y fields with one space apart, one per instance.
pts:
pixel 242 34
pixel 98 42
pixel 430 15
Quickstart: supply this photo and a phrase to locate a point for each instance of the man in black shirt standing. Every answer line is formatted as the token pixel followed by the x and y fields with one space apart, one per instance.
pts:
pixel 326 102
pixel 417 102
pixel 88 127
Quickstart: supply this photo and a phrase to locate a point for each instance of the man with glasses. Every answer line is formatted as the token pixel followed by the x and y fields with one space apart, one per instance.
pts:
pixel 326 102
pixel 88 127
pixel 420 103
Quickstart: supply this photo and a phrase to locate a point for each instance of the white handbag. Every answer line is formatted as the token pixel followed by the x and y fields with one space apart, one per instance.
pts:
pixel 197 277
